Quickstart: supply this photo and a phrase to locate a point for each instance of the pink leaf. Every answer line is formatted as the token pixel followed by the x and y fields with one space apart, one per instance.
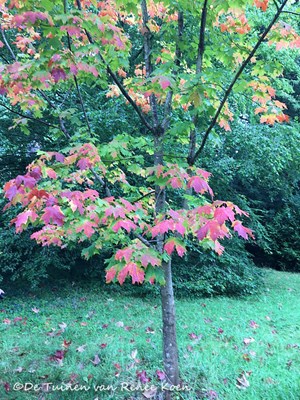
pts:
pixel 143 376
pixel 53 214
pixel 96 361
pixel 136 273
pixel 199 185
pixel 110 274
pixel 124 253
pixel 164 82
pixel 241 230
pixel 149 259
pixel 160 375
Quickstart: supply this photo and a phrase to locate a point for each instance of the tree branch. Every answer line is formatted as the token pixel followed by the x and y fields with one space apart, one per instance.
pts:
pixel 199 64
pixel 7 45
pixel 192 160
pixel 147 57
pixel 291 12
pixel 201 44
pixel 117 82
pixel 178 54
pixel 28 117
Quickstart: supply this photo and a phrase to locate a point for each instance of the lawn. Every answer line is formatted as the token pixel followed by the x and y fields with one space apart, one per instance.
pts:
pixel 85 342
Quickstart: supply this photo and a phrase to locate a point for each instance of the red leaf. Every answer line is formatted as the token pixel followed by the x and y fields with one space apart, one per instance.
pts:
pixel 149 259
pixel 174 243
pixel 124 253
pixel 221 214
pixel 199 185
pixel 160 375
pixel 164 82
pixel 51 173
pixel 110 274
pixel 241 230
pixel 58 74
pixel 53 214
pixel 126 224
pixel 84 163
pixel 143 376
pixel 136 273
pixel 23 218
pixel 87 227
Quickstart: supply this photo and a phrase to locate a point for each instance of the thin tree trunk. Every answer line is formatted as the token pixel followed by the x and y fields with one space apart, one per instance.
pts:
pixel 170 349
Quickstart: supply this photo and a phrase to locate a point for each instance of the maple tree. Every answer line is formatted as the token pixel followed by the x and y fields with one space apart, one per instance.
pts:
pixel 128 192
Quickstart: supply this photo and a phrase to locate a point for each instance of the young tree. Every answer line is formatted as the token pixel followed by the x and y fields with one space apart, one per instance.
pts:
pixel 173 66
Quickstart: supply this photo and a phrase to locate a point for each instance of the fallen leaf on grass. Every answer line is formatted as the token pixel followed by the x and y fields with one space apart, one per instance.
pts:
pixel 6 386
pixel 150 330
pixel 193 336
pixel 161 376
pixel 120 324
pixel 248 341
pixel 58 356
pixel 6 321
pixel 142 376
pixel 253 324
pixel 149 394
pixel 242 382
pixel 81 348
pixel 19 369
pixel 54 333
pixel 62 326
pixel 96 360
pixel 103 345
pixel 35 310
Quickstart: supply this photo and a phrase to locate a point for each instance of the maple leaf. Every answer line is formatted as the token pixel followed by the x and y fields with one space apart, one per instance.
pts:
pixel 143 376
pixel 22 219
pixel 126 224
pixel 148 258
pixel 164 82
pixel 124 253
pixel 160 375
pixel 53 214
pixel 131 269
pixel 51 173
pixel 84 163
pixel 174 243
pixel 221 214
pixel 262 4
pixel 241 230
pixel 199 185
pixel 87 227
pixel 96 361
pixel 58 74
pixel 110 274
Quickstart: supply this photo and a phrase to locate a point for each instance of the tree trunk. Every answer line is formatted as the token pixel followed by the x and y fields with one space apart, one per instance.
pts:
pixel 170 350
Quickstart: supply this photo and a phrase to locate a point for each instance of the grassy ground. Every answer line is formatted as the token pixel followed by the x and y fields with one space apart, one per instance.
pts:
pixel 231 349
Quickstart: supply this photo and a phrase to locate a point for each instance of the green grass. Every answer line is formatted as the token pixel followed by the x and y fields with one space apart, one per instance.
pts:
pixel 210 364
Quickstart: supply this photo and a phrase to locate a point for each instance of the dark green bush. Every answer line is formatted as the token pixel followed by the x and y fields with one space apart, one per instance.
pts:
pixel 206 274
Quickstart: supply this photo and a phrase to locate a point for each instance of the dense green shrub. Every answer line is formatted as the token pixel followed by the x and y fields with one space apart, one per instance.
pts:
pixel 207 274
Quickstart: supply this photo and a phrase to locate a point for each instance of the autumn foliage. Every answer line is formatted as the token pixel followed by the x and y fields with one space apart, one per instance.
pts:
pixel 54 199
